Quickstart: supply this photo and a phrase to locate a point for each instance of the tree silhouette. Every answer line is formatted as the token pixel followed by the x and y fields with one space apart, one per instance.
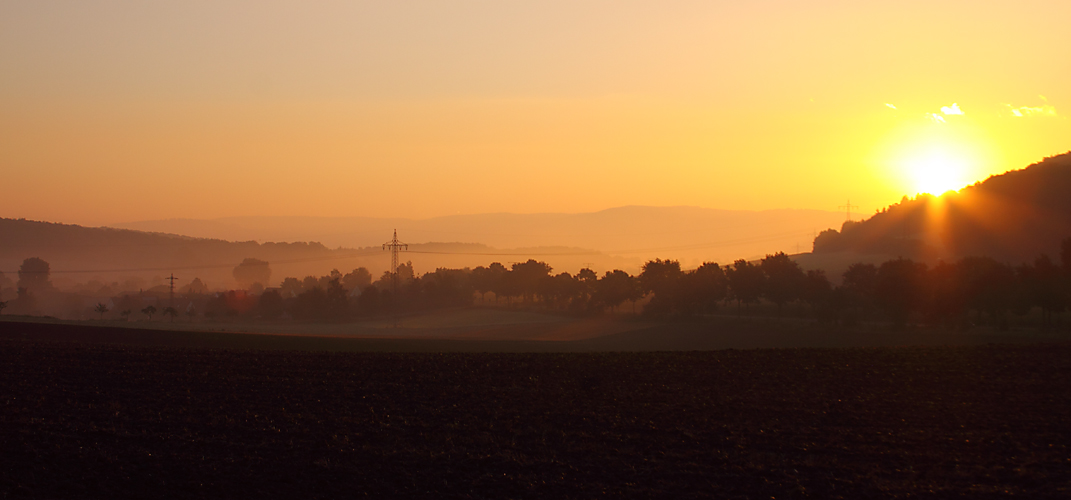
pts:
pixel 1044 287
pixel 662 278
pixel 149 311
pixel 528 275
pixel 170 312
pixel 312 305
pixel 1065 259
pixel 252 271
pixel 3 305
pixel 25 301
pixel 337 300
pixel 566 291
pixel 270 305
pixel 828 241
pixel 614 288
pixel 746 281
pixel 944 294
pixel 101 309
pixel 196 287
pixel 784 279
pixel 482 281
pixel 291 287
pixel 586 279
pixel 987 286
pixel 703 289
pixel 358 279
pixel 446 287
pixel 818 292
pixel 547 292
pixel 406 273
pixel 369 302
pixel 898 288
pixel 125 314
pixel 858 287
pixel 861 278
pixel 496 274
pixel 34 275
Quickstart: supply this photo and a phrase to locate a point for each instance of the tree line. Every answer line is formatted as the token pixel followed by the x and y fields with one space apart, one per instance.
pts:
pixel 968 291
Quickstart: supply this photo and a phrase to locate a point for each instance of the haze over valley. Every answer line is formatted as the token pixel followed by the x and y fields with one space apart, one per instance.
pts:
pixel 693 235
pixel 546 249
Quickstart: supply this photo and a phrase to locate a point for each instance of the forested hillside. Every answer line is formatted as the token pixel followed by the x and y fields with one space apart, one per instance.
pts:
pixel 1012 217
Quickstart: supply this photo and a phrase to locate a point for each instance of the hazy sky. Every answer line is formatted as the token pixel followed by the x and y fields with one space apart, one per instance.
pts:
pixel 118 111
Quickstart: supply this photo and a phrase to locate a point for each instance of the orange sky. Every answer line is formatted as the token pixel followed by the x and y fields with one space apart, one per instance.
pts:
pixel 121 111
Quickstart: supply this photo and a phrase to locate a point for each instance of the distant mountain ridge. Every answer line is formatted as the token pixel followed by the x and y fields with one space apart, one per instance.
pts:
pixel 619 238
pixel 78 254
pixel 1015 217
pixel 691 234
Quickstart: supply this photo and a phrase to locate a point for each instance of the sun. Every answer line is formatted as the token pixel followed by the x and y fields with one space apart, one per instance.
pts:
pixel 935 158
pixel 937 170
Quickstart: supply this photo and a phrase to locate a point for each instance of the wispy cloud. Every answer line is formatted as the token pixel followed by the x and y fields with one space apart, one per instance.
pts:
pixel 1045 109
pixel 890 105
pixel 952 110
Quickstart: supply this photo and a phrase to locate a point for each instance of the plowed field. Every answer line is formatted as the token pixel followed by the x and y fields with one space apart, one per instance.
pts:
pixel 82 420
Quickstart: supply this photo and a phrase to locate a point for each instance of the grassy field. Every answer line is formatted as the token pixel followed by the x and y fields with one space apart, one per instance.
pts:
pixel 496 330
pixel 86 418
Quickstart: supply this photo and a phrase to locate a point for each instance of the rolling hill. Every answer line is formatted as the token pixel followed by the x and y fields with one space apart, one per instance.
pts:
pixel 633 233
pixel 79 254
pixel 1013 217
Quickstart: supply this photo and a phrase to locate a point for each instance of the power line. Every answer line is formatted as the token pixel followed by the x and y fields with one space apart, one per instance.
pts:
pixel 360 253
pixel 371 254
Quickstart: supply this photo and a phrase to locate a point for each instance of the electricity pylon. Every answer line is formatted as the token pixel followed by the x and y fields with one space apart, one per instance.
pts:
pixel 849 208
pixel 171 298
pixel 395 246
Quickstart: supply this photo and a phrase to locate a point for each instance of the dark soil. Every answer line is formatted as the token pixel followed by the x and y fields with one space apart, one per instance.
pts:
pixel 698 335
pixel 96 420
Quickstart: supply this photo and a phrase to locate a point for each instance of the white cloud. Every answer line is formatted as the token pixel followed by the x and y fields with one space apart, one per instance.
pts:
pixel 936 117
pixel 1043 110
pixel 952 110
pixel 890 105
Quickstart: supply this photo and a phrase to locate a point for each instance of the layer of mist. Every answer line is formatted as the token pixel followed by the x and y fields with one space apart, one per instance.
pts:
pixel 691 235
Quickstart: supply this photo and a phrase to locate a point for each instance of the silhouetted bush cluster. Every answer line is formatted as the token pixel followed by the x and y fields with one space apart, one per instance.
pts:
pixel 969 291
pixel 973 290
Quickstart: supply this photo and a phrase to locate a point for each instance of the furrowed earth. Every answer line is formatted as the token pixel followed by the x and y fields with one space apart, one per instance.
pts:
pixel 86 417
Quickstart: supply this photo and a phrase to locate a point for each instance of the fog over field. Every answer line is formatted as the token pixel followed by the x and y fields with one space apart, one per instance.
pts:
pixel 635 233
pixel 550 249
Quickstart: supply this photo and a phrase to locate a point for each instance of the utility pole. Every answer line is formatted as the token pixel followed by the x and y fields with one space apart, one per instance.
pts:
pixel 394 246
pixel 171 299
pixel 848 208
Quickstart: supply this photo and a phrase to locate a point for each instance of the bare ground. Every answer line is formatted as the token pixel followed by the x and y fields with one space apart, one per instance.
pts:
pixel 86 418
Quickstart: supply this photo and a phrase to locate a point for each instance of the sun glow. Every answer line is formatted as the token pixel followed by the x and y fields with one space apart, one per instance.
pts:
pixel 938 170
pixel 936 158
